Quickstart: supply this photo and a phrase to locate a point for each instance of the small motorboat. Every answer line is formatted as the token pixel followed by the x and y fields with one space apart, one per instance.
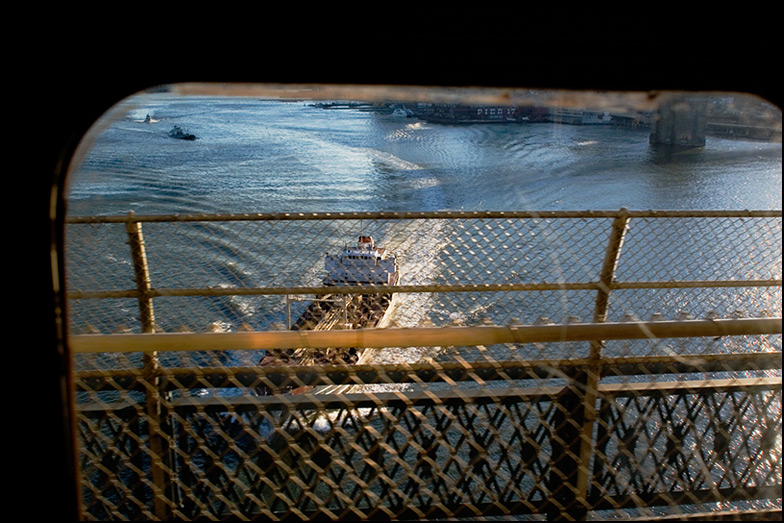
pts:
pixel 181 134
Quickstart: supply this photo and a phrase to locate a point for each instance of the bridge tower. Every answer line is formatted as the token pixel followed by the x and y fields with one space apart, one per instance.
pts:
pixel 680 121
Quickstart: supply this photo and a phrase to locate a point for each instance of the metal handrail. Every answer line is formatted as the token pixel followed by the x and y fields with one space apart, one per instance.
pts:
pixel 425 337
pixel 607 282
pixel 407 215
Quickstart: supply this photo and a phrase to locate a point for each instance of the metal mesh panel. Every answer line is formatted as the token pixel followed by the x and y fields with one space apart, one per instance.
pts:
pixel 559 365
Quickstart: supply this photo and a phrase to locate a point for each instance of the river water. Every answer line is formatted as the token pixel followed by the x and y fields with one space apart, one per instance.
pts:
pixel 266 156
pixel 260 156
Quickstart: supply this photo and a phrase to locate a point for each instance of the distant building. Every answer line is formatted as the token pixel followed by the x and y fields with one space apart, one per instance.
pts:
pixel 453 113
pixel 568 115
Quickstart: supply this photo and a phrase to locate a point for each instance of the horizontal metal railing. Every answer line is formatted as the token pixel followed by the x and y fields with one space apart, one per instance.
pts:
pixel 427 337
pixel 606 280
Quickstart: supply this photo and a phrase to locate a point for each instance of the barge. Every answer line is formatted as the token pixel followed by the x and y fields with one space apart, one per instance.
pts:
pixel 362 265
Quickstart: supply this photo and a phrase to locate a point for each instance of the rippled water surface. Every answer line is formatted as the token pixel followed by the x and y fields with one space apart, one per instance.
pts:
pixel 266 156
pixel 257 156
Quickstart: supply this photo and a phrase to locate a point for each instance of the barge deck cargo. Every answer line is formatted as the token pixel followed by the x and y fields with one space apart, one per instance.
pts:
pixel 364 264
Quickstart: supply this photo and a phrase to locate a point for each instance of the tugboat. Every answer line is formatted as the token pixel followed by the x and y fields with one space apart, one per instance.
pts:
pixel 181 134
pixel 364 264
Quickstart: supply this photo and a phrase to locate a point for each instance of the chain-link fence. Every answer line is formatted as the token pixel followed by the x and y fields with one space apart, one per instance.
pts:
pixel 552 364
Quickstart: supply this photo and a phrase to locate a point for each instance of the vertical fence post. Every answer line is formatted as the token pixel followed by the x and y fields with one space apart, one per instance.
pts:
pixel 611 257
pixel 576 408
pixel 606 279
pixel 151 371
pixel 141 273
